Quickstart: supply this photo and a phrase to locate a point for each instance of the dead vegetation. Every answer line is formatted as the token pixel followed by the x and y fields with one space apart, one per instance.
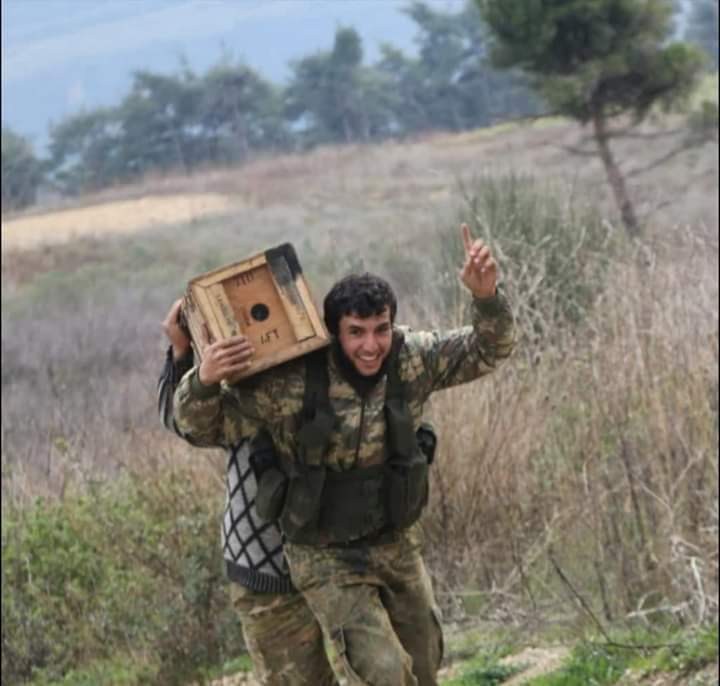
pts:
pixel 585 471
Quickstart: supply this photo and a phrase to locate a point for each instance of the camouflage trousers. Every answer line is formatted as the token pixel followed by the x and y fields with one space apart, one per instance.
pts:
pixel 376 608
pixel 283 638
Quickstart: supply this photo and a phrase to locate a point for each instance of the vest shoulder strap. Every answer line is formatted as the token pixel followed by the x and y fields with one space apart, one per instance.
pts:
pixel 395 387
pixel 317 383
pixel 317 416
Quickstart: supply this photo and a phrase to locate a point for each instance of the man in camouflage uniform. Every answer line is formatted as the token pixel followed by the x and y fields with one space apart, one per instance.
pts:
pixel 281 634
pixel 356 478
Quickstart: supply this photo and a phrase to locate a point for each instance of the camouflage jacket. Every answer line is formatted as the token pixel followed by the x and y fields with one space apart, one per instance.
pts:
pixel 428 362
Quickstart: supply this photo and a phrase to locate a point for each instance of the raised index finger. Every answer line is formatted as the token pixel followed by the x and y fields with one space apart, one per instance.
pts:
pixel 467 238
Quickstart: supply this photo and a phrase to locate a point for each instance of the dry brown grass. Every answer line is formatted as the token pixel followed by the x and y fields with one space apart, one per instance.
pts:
pixel 356 190
pixel 119 216
pixel 599 456
pixel 597 447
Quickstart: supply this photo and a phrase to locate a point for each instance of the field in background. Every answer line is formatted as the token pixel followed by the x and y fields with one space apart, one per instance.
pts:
pixel 586 467
pixel 116 217
pixel 380 182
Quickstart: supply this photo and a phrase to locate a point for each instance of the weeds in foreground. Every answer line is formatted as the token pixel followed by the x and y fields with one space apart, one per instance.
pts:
pixel 125 578
pixel 589 664
pixel 484 675
pixel 485 669
pixel 597 441
pixel 679 652
pixel 684 653
pixel 641 653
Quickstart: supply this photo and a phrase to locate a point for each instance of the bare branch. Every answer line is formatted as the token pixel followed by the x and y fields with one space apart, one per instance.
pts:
pixel 585 606
pixel 583 603
pixel 684 147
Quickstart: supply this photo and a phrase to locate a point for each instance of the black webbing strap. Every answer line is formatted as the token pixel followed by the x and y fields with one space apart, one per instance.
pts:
pixel 399 422
pixel 318 417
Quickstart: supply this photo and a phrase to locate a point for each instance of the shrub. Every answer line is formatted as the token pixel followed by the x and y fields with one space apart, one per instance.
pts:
pixel 599 439
pixel 131 567
pixel 589 664
pixel 688 652
pixel 121 670
pixel 553 250
pixel 22 172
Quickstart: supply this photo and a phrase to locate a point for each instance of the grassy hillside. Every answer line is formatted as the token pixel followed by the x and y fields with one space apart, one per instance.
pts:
pixel 575 487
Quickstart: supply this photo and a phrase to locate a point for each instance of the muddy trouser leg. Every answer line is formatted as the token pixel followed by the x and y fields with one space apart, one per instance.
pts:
pixel 365 650
pixel 283 638
pixel 407 594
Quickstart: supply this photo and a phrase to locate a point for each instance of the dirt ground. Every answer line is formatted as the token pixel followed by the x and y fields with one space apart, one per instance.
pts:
pixel 539 661
pixel 705 677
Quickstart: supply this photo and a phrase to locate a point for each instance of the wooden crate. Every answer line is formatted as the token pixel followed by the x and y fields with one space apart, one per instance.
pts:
pixel 264 298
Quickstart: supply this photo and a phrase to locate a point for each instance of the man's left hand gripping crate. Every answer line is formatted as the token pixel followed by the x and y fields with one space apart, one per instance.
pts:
pixel 264 298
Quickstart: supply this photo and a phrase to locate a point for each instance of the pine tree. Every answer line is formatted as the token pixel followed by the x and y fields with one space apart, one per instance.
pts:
pixel 21 171
pixel 594 60
pixel 335 98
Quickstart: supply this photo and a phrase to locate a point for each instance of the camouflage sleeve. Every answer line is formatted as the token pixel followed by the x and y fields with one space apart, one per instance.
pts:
pixel 441 359
pixel 198 412
pixel 222 415
pixel 173 371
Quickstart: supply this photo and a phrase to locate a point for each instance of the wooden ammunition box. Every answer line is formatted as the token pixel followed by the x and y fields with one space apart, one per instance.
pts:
pixel 264 298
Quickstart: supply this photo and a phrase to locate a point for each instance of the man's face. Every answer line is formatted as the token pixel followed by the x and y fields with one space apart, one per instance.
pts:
pixel 366 341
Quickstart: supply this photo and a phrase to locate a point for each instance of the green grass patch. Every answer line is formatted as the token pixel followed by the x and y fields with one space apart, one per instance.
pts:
pixel 118 671
pixel 480 644
pixel 682 652
pixel 589 665
pixel 484 675
pixel 686 652
pixel 74 597
pixel 243 663
pixel 484 669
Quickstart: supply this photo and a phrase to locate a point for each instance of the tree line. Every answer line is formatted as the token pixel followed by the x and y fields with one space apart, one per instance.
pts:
pixel 461 78
pixel 188 121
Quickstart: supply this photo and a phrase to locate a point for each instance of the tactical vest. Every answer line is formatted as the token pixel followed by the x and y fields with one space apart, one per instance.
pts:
pixel 320 506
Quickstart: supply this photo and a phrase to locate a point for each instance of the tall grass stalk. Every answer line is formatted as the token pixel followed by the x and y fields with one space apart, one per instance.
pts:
pixel 601 448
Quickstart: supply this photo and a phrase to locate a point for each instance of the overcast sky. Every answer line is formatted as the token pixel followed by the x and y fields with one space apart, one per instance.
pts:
pixel 38 36
pixel 60 56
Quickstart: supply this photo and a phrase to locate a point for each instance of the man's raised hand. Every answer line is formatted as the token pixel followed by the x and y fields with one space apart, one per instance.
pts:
pixel 479 272
pixel 225 359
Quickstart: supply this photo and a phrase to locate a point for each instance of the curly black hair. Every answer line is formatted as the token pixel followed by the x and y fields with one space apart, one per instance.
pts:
pixel 362 295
